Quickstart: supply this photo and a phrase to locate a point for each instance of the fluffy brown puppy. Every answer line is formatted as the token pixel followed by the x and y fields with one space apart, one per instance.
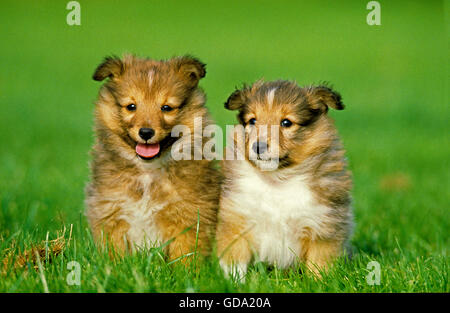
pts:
pixel 139 195
pixel 299 209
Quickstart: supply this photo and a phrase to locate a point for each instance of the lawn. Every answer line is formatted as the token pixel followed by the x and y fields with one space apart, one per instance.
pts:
pixel 393 79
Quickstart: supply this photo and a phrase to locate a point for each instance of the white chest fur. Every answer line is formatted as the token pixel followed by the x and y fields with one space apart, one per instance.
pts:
pixel 278 211
pixel 140 215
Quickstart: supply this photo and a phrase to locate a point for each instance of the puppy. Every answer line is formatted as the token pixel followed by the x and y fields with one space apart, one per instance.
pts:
pixel 139 195
pixel 298 210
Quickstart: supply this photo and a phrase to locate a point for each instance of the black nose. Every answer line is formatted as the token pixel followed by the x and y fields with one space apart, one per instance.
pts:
pixel 259 147
pixel 146 133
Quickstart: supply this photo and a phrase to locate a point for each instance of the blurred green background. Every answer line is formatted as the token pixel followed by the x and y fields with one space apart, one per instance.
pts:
pixel 393 79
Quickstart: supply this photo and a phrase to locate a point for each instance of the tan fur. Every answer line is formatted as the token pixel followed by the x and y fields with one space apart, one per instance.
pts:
pixel 133 202
pixel 235 232
pixel 319 254
pixel 304 206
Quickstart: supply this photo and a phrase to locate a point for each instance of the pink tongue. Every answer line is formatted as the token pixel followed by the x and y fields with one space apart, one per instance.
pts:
pixel 147 151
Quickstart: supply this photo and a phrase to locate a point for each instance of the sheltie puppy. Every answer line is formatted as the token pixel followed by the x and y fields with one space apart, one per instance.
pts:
pixel 298 210
pixel 139 195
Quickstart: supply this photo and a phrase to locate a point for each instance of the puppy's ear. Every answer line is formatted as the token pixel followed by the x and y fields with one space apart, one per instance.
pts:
pixel 111 67
pixel 190 69
pixel 236 100
pixel 320 98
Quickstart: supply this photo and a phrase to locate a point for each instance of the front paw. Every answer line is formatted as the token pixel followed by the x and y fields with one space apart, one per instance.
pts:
pixel 235 271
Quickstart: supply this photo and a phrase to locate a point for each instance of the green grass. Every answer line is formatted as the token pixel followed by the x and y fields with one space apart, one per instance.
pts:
pixel 393 78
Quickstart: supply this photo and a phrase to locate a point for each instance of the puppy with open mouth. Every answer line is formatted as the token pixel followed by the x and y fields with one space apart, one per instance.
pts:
pixel 288 199
pixel 139 195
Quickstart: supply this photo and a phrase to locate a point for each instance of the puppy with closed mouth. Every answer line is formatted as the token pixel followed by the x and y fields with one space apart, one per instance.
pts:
pixel 139 195
pixel 298 210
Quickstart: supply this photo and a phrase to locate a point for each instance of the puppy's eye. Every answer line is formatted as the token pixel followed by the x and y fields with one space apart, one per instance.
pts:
pixel 286 123
pixel 252 121
pixel 131 107
pixel 166 108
